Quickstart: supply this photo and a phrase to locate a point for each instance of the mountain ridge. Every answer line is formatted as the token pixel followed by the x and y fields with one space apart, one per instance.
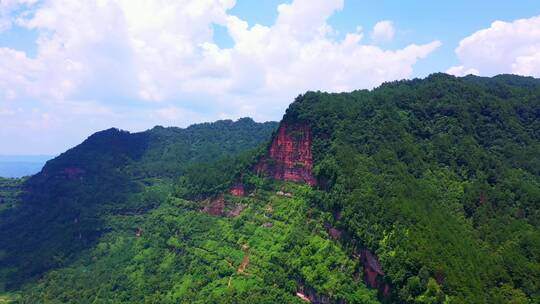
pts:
pixel 424 190
pixel 108 167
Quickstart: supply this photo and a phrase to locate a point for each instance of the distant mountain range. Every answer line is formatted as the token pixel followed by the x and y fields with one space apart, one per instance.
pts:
pixel 22 165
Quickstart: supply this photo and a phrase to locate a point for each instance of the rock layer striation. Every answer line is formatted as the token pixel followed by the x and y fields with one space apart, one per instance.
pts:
pixel 289 157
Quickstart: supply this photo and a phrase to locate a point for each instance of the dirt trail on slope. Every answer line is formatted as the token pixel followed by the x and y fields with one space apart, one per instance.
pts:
pixel 245 260
pixel 244 264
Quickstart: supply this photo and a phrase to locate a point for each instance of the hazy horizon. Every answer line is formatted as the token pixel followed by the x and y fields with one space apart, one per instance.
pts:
pixel 16 166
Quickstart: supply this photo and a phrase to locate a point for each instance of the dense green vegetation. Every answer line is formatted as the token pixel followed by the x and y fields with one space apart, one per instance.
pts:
pixel 113 173
pixel 10 190
pixel 439 177
pixel 186 256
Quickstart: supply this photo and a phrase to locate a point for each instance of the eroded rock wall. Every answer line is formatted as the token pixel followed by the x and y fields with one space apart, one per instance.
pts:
pixel 289 157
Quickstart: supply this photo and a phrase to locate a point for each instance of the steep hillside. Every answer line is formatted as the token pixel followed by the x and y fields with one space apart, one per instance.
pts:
pixel 255 249
pixel 10 190
pixel 420 191
pixel 438 177
pixel 68 205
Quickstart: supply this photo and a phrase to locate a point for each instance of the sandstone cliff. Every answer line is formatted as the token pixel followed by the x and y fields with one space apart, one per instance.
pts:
pixel 289 157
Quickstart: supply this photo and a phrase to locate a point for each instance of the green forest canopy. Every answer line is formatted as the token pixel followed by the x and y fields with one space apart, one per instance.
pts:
pixel 440 177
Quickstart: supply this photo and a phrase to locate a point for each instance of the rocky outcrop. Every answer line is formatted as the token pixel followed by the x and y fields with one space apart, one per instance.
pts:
pixel 334 233
pixel 285 194
pixel 236 210
pixel 237 189
pixel 372 268
pixel 219 207
pixel 289 157
pixel 215 207
pixel 373 273
pixel 308 294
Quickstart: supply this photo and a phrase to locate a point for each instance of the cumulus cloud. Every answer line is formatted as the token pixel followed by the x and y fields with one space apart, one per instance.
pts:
pixel 383 31
pixel 462 71
pixel 504 47
pixel 158 60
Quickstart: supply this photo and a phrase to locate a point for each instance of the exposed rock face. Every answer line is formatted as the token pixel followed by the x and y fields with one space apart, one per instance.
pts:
pixel 372 268
pixel 236 210
pixel 289 157
pixel 303 297
pixel 237 189
pixel 334 233
pixel 216 207
pixel 373 272
pixel 309 294
pixel 285 194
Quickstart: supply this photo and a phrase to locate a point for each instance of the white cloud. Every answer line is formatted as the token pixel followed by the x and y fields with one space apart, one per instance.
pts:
pixel 504 47
pixel 7 8
pixel 461 71
pixel 159 57
pixel 527 64
pixel 383 31
pixel 175 116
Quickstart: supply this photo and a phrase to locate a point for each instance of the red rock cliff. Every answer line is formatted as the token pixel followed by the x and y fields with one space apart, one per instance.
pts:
pixel 237 189
pixel 373 273
pixel 289 157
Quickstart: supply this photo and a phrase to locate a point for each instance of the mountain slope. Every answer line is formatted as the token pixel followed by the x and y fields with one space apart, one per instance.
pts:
pixel 265 254
pixel 420 191
pixel 439 177
pixel 10 189
pixel 67 206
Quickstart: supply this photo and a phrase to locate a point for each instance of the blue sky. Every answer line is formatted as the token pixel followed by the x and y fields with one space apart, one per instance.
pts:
pixel 71 68
pixel 416 20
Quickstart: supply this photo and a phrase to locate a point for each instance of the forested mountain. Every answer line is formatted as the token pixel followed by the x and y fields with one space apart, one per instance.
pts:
pixel 440 178
pixel 68 205
pixel 419 191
